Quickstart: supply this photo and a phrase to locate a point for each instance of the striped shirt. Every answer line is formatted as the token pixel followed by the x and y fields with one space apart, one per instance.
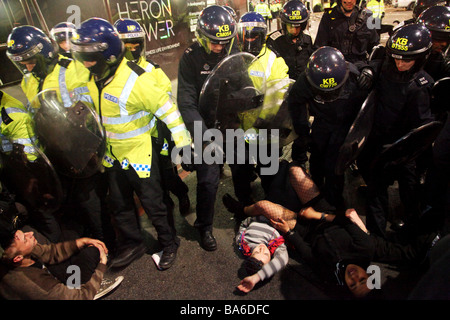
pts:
pixel 258 230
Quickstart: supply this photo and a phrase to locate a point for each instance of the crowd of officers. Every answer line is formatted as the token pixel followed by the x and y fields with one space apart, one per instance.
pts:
pixel 104 66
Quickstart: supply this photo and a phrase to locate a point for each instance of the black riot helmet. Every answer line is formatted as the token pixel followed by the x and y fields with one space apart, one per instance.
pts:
pixel 437 20
pixel 422 5
pixel 327 71
pixel 215 25
pixel 295 13
pixel 409 42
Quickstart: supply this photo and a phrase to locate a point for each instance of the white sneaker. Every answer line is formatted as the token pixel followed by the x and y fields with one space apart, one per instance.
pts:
pixel 107 286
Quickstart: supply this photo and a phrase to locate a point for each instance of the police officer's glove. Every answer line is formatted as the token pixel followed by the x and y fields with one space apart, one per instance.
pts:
pixel 187 158
pixel 365 79
pixel 261 123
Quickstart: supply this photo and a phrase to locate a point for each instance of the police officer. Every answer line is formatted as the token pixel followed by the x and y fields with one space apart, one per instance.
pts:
pixel 215 33
pixel 36 57
pixel 61 34
pixel 291 42
pixel 263 9
pixel 437 20
pixel 43 67
pixel 251 36
pixel 346 28
pixel 133 37
pixel 419 7
pixel 328 90
pixel 403 104
pixel 128 99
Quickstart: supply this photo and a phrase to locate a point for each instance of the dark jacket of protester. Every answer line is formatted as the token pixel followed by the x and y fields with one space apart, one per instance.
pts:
pixel 36 283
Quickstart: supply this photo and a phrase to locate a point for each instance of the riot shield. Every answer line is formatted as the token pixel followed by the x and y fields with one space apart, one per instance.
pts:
pixel 275 113
pixel 232 95
pixel 408 147
pixel 357 135
pixel 34 182
pixel 71 137
pixel 440 96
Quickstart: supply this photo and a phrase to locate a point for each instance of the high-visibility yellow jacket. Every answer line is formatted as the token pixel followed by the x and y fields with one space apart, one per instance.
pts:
pixel 263 9
pixel 165 84
pixel 129 105
pixel 274 68
pixel 70 76
pixel 16 126
pixel 377 8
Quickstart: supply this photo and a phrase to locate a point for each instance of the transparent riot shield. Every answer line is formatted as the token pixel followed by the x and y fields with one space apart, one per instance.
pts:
pixel 274 116
pixel 71 137
pixel 357 135
pixel 408 147
pixel 33 181
pixel 232 95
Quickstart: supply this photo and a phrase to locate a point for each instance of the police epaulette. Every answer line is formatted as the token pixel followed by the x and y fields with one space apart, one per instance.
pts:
pixel 5 118
pixel 153 63
pixel 64 62
pixel 136 68
pixel 421 81
pixel 275 35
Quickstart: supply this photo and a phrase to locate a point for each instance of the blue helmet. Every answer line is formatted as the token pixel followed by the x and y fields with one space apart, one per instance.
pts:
pixel 61 34
pixel 28 44
pixel 252 31
pixel 132 34
pixel 215 25
pixel 96 40
pixel 327 71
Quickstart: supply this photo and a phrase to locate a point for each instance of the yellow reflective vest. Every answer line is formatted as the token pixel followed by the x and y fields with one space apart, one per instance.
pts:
pixel 70 76
pixel 129 105
pixel 377 8
pixel 165 84
pixel 274 68
pixel 16 126
pixel 263 9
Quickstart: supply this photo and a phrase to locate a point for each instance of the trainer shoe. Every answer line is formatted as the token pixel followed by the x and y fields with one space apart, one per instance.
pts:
pixel 107 286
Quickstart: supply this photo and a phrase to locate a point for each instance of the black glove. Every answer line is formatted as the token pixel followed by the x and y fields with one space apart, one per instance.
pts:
pixel 187 160
pixel 365 78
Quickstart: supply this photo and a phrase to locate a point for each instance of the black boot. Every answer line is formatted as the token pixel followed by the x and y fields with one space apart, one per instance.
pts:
pixel 234 206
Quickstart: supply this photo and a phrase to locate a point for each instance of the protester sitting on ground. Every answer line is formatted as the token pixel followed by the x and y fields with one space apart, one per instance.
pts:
pixel 336 245
pixel 264 250
pixel 73 270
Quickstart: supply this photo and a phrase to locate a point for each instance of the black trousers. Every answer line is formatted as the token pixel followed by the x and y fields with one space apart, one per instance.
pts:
pixel 123 185
pixel 208 176
pixel 378 182
pixel 86 260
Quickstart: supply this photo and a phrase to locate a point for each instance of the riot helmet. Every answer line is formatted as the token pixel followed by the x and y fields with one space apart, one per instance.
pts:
pixel 97 45
pixel 326 72
pixel 422 5
pixel 31 51
pixel 133 36
pixel 252 31
pixel 216 26
pixel 231 11
pixel 61 34
pixel 410 42
pixel 294 14
pixel 437 20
